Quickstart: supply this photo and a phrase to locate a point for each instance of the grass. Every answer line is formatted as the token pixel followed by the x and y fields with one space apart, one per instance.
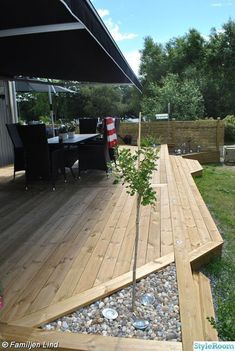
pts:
pixel 217 186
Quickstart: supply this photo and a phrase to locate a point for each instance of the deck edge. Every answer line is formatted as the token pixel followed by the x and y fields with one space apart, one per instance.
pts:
pixel 83 342
pixel 59 309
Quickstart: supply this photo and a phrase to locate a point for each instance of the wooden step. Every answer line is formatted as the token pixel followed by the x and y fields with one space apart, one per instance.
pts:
pixel 188 298
pixel 206 305
pixel 205 253
pixel 194 166
pixel 83 342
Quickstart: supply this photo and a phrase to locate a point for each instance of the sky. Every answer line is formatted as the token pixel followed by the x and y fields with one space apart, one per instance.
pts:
pixel 130 21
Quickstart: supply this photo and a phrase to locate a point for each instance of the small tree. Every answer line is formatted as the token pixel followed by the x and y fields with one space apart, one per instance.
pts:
pixel 135 169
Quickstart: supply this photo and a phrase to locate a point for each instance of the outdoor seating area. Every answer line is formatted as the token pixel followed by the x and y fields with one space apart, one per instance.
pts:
pixel 45 158
pixel 65 249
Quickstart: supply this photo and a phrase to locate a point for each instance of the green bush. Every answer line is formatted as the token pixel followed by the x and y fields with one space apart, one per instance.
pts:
pixel 217 188
pixel 229 128
pixel 45 119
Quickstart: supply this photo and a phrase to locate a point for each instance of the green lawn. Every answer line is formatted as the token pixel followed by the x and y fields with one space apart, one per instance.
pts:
pixel 217 186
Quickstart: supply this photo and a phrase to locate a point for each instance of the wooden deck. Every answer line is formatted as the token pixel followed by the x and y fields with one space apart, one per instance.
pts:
pixel 64 249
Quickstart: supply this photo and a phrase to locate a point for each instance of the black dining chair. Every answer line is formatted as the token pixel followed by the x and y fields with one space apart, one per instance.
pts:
pixel 41 161
pixel 94 154
pixel 88 125
pixel 71 156
pixel 19 161
pixel 103 129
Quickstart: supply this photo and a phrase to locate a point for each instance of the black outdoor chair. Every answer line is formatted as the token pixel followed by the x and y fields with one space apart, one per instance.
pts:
pixel 71 156
pixel 94 154
pixel 112 151
pixel 19 161
pixel 88 125
pixel 41 161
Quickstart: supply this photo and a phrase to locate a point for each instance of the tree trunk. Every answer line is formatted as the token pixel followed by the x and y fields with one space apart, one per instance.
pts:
pixel 136 250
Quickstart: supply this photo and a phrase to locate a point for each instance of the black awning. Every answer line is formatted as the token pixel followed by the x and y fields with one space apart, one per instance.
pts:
pixel 59 39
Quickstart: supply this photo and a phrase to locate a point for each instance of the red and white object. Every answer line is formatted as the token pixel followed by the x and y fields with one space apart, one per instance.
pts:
pixel 1 302
pixel 111 132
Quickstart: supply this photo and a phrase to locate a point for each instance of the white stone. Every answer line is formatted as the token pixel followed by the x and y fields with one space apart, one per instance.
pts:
pixel 101 304
pixel 48 327
pixel 65 325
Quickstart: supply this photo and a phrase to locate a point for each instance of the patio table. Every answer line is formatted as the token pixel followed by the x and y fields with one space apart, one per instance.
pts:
pixel 78 138
pixel 72 147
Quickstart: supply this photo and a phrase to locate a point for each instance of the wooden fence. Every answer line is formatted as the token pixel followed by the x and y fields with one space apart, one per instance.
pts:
pixel 209 134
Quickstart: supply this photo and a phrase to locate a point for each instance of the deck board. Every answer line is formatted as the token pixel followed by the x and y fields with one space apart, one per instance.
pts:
pixel 188 299
pixel 105 228
pixel 76 301
pixel 125 254
pixel 81 342
pixel 49 232
pixel 154 236
pixel 119 223
pixel 189 206
pixel 77 243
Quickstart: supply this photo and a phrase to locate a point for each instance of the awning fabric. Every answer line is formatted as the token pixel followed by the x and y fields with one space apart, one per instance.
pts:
pixel 59 39
pixel 29 86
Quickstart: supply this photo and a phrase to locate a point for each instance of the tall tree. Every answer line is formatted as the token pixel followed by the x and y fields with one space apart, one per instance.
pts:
pixel 184 96
pixel 184 52
pixel 205 66
pixel 153 61
pixel 103 100
pixel 220 71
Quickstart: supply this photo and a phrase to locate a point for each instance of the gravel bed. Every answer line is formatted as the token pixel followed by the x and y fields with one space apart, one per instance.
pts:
pixel 163 314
